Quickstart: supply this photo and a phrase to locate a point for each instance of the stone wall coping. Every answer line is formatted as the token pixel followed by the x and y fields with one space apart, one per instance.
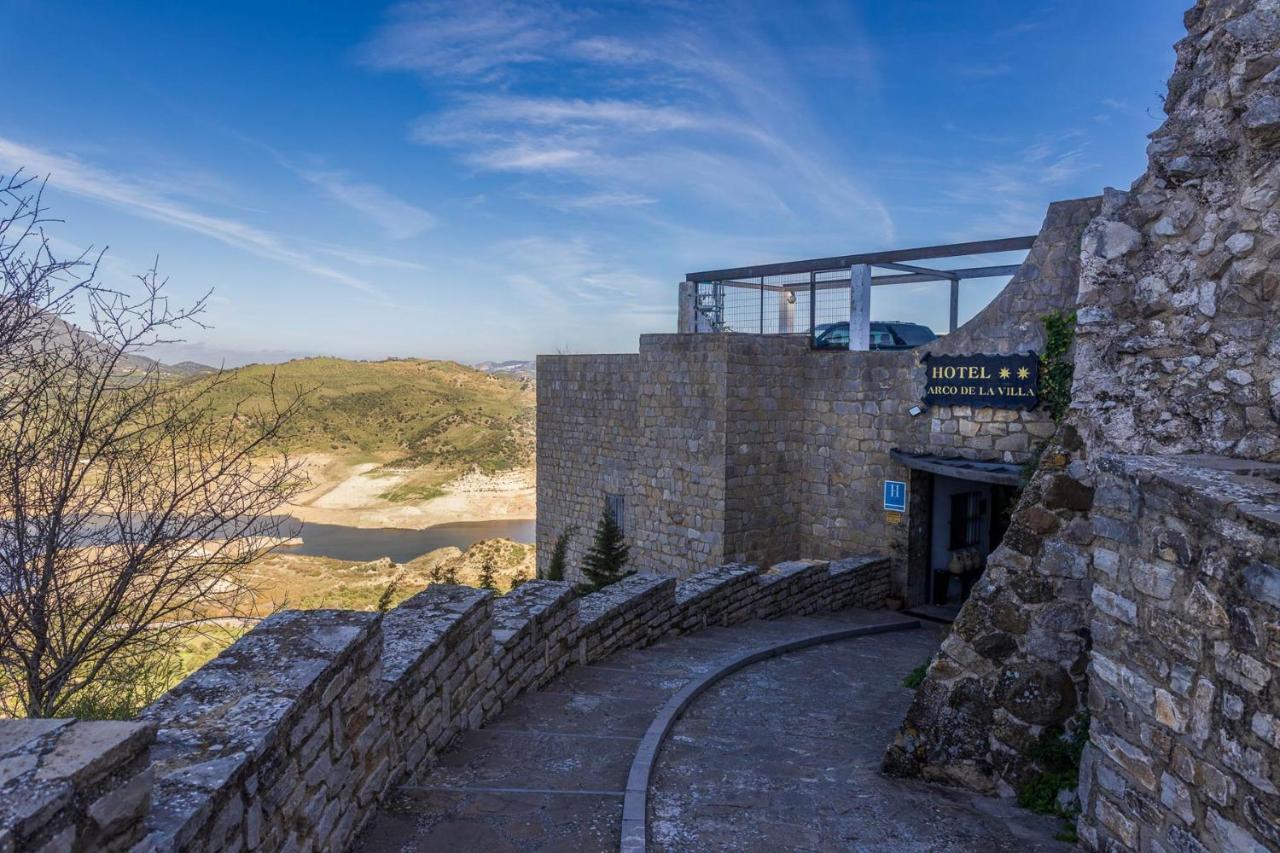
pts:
pixel 790 569
pixel 1248 489
pixel 618 357
pixel 708 582
pixel 46 764
pixel 532 601
pixel 412 631
pixel 217 720
pixel 855 564
pixel 599 605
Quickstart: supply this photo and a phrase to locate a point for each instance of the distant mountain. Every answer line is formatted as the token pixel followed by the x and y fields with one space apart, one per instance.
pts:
pixel 523 369
pixel 66 334
pixel 188 368
pixel 411 411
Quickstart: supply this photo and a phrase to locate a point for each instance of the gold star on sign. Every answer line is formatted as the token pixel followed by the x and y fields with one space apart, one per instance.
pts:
pixel 1023 373
pixel 1004 373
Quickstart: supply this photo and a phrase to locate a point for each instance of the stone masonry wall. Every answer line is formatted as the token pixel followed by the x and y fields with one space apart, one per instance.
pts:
pixel 763 449
pixel 1014 663
pixel 292 736
pixel 586 426
pixel 266 745
pixel 1184 690
pixel 732 448
pixel 678 478
pixel 66 784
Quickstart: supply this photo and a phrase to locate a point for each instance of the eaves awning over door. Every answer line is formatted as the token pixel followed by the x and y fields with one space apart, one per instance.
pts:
pixel 1002 473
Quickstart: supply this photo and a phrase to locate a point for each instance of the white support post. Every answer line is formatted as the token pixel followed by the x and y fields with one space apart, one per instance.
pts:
pixel 687 311
pixel 860 307
pixel 786 311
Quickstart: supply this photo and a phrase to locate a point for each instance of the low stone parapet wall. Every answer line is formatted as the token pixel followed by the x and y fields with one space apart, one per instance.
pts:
pixel 534 630
pixel 633 612
pixel 67 784
pixel 724 595
pixel 859 582
pixel 266 745
pixel 292 736
pixel 433 648
pixel 794 588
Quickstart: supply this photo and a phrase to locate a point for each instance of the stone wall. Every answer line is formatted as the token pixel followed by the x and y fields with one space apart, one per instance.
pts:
pixel 751 448
pixel 434 674
pixel 267 745
pixel 65 783
pixel 572 480
pixel 292 736
pixel 764 455
pixel 677 489
pixel 1014 663
pixel 1184 750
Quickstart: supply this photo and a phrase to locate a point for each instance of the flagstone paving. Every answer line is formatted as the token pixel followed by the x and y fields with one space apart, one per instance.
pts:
pixel 781 755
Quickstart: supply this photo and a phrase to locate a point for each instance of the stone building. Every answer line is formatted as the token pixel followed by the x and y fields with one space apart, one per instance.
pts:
pixel 724 447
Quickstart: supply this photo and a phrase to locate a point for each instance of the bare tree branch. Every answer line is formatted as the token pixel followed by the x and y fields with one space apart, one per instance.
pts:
pixel 128 510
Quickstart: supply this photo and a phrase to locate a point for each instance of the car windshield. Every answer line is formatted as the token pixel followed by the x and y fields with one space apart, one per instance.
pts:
pixel 835 336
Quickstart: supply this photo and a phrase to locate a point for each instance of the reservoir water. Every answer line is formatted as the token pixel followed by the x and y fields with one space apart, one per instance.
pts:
pixel 361 543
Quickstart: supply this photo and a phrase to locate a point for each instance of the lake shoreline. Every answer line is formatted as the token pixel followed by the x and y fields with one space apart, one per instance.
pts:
pixel 349 542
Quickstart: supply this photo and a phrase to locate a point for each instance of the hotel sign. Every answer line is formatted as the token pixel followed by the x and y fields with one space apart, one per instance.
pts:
pixel 996 381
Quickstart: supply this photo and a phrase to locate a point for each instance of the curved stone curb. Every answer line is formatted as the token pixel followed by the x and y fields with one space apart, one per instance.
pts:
pixel 635 828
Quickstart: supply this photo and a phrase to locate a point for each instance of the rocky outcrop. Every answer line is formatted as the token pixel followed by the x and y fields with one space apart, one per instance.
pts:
pixel 1178 345
pixel 1015 660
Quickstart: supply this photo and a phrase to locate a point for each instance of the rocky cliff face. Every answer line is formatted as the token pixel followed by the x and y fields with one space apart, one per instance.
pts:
pixel 1179 337
pixel 1178 352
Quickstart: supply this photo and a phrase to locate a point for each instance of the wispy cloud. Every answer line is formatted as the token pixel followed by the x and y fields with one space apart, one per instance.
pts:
pixel 466 40
pixel 679 106
pixel 70 174
pixel 1006 195
pixel 397 218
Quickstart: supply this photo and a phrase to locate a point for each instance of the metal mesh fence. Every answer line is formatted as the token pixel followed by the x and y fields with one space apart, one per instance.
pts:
pixel 813 297
pixel 775 305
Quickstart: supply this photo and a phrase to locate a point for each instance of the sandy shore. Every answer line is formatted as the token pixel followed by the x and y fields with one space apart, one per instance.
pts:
pixel 349 495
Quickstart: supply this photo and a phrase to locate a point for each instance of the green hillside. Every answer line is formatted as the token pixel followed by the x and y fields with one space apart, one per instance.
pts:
pixel 404 411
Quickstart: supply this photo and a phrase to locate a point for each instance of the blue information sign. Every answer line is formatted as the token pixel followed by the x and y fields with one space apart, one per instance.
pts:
pixel 895 495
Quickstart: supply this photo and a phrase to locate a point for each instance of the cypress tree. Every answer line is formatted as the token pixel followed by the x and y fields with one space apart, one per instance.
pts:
pixel 607 559
pixel 521 578
pixel 559 555
pixel 488 575
pixel 450 574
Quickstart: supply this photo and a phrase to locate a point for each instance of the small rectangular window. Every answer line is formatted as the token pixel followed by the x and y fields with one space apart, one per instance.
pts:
pixel 616 506
pixel 967 512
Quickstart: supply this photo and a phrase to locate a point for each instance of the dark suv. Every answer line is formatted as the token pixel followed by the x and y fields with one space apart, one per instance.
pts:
pixel 885 334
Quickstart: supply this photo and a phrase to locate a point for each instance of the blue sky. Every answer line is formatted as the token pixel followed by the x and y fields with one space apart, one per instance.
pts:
pixel 491 180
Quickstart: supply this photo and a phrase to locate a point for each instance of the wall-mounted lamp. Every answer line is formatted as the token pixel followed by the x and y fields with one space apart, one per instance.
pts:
pixel 916 411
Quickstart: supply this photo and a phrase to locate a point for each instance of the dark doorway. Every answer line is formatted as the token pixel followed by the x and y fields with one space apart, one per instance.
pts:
pixel 968 520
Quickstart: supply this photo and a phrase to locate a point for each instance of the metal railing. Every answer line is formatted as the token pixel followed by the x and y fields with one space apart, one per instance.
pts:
pixel 809 297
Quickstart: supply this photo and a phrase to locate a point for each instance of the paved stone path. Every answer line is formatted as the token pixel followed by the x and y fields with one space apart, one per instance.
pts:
pixel 785 756
pixel 550 772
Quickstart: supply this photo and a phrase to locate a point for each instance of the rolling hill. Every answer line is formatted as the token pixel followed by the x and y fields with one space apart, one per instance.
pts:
pixel 409 413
